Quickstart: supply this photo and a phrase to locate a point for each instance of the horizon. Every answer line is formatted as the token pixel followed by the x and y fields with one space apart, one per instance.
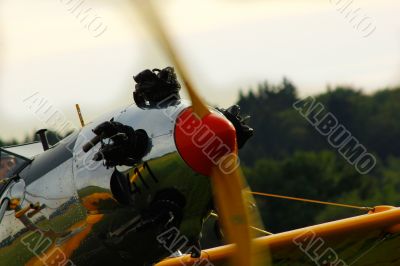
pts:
pixel 74 123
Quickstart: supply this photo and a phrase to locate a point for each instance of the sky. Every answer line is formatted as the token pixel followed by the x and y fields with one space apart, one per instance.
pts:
pixel 48 49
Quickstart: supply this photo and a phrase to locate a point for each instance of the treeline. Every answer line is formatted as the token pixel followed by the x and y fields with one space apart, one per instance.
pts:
pixel 280 130
pixel 288 156
pixel 52 136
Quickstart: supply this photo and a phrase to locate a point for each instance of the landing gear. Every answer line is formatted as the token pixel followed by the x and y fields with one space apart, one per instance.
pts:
pixel 165 212
pixel 195 252
pixel 139 236
pixel 162 213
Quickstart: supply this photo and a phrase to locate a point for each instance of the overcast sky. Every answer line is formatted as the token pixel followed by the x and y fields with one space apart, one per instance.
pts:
pixel 226 45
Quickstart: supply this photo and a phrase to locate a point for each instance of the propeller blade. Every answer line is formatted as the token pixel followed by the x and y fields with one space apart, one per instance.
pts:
pixel 150 14
pixel 232 200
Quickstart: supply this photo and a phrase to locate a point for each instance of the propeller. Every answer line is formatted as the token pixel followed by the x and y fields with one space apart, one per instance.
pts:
pixel 230 190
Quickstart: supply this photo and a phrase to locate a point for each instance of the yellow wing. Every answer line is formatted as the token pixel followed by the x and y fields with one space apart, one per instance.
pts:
pixel 371 239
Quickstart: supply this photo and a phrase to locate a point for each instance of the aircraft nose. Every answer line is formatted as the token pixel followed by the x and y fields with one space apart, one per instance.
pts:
pixel 203 142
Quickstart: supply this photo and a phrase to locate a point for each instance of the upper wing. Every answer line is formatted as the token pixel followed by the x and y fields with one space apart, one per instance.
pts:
pixel 371 239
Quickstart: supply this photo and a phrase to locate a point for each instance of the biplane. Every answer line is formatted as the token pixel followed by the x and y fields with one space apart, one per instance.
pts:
pixel 135 186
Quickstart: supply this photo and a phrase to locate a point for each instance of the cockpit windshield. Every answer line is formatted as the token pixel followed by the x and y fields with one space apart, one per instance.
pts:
pixel 10 164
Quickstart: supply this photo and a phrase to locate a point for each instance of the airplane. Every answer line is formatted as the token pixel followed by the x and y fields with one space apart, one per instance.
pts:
pixel 61 195
pixel 135 186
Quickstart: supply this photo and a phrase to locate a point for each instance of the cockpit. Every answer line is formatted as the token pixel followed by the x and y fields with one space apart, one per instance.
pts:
pixel 10 164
